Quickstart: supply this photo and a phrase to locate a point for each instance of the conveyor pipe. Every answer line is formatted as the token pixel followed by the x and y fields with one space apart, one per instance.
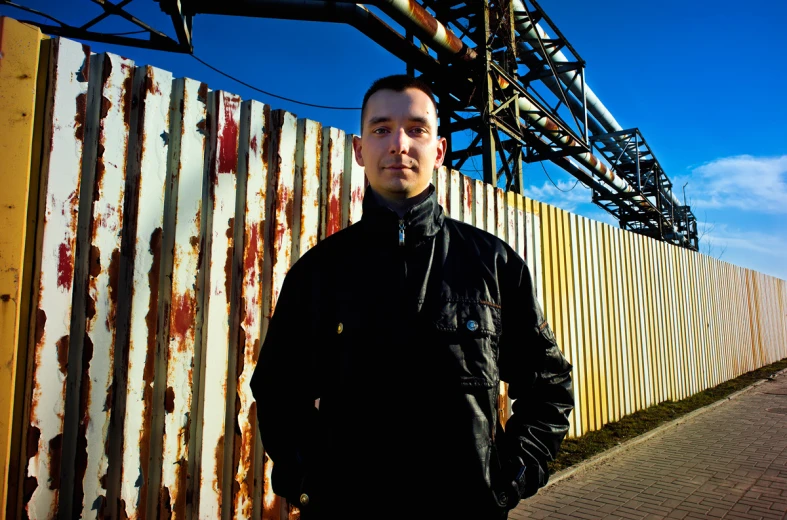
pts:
pixel 594 105
pixel 418 19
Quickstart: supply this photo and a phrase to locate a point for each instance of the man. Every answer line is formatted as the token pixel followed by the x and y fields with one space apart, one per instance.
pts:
pixel 378 380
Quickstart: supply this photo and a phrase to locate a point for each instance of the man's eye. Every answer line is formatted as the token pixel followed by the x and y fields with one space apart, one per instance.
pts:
pixel 418 130
pixel 379 131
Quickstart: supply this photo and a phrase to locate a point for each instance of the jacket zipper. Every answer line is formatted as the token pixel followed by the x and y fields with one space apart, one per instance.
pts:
pixel 401 232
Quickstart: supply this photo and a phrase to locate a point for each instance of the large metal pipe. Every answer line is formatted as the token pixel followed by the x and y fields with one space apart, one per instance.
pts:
pixel 594 105
pixel 419 20
pixel 347 12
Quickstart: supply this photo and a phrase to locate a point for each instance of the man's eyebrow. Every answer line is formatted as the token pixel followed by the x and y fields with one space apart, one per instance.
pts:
pixel 379 119
pixel 385 119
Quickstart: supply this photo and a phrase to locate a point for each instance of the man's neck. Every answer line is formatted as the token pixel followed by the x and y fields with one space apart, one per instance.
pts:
pixel 400 206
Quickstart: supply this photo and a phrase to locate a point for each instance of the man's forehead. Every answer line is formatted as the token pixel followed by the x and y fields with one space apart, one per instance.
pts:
pixel 385 102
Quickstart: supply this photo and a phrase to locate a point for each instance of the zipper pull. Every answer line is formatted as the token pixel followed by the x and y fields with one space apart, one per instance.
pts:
pixel 401 232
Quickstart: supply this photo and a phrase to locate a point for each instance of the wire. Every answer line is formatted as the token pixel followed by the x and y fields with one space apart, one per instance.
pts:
pixel 31 10
pixel 268 93
pixel 553 182
pixel 125 33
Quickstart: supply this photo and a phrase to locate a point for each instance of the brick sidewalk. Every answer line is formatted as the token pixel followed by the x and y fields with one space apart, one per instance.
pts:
pixel 728 462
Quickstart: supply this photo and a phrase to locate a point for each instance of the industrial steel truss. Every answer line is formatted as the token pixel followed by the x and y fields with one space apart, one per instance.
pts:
pixel 503 73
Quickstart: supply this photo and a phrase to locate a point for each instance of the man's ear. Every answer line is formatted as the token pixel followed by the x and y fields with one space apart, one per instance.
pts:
pixel 442 146
pixel 357 147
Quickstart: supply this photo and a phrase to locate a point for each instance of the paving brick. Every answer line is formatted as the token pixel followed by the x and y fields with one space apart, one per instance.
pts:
pixel 724 463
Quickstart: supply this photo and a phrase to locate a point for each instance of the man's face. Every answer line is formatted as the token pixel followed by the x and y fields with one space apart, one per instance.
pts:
pixel 399 148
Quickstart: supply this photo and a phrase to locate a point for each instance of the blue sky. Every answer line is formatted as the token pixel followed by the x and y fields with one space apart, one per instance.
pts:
pixel 700 79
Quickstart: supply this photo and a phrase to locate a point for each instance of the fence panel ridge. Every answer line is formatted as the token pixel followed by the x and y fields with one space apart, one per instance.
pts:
pixel 220 299
pixel 183 303
pixel 146 181
pixel 61 171
pixel 100 304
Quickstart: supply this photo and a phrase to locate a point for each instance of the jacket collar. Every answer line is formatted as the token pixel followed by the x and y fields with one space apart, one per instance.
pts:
pixel 421 221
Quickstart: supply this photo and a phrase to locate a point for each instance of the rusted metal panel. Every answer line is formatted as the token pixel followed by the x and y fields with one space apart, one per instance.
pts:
pixel 519 217
pixel 510 220
pixel 101 303
pixel 468 208
pixel 355 182
pixel 479 198
pixel 333 144
pixel 218 306
pixel 61 175
pixel 500 213
pixel 252 172
pixel 490 218
pixel 278 245
pixel 441 180
pixel 455 195
pixel 152 95
pixel 186 292
pixel 307 186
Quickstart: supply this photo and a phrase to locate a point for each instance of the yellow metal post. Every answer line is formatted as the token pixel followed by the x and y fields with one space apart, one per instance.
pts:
pixel 19 56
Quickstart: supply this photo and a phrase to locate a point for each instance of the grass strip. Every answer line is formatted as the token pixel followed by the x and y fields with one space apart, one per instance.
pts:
pixel 574 451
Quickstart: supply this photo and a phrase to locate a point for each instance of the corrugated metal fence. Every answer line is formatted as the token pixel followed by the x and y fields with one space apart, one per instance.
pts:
pixel 171 216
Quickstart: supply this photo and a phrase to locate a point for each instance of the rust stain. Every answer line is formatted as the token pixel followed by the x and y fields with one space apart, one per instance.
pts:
pixel 169 400
pixel 98 182
pixel 252 251
pixel 427 21
pixel 334 210
pixel 218 481
pixel 62 354
pixel 79 118
pixel 165 506
pixel 253 144
pixel 55 450
pixel 106 70
pixel 127 92
pixel 266 136
pixel 228 156
pixel 31 483
pixel 228 261
pixel 84 72
pixel 183 310
pixel 65 266
pixel 80 462
pixel 122 510
pixel 182 469
pixel 90 306
pixel 95 262
pixel 287 195
pixel 202 92
pixel 114 278
pixel 151 320
pixel 108 406
pixel 106 104
pixel 150 85
pixel 40 325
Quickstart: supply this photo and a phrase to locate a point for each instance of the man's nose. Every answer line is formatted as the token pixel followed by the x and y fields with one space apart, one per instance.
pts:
pixel 400 142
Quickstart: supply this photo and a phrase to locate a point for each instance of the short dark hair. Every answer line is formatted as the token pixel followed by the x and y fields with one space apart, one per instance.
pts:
pixel 397 83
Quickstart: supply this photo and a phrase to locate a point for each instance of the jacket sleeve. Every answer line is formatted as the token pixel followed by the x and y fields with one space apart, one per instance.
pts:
pixel 281 385
pixel 539 382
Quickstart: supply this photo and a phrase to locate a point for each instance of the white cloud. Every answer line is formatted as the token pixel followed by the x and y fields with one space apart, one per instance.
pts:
pixel 764 252
pixel 756 184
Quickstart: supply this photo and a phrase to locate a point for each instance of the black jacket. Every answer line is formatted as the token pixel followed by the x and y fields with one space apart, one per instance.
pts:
pixel 405 346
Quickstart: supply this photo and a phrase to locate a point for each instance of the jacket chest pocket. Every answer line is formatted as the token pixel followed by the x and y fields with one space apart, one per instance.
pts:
pixel 468 332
